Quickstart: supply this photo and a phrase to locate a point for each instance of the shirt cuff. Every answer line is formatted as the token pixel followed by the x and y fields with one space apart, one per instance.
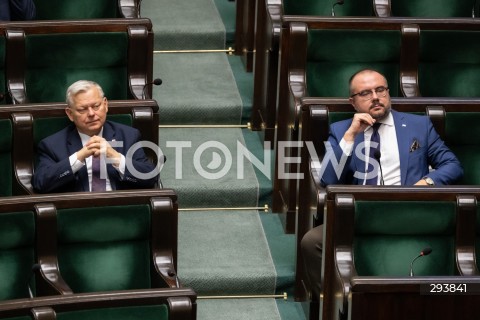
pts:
pixel 121 167
pixel 75 164
pixel 346 147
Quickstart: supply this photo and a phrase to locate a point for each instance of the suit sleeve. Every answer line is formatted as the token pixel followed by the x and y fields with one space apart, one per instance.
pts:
pixel 336 163
pixel 140 172
pixel 51 172
pixel 448 169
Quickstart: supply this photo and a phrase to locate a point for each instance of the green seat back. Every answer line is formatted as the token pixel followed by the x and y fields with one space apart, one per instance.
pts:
pixel 3 86
pixel 335 55
pixel 75 9
pixel 6 146
pixel 159 312
pixel 389 234
pixel 432 8
pixel 105 248
pixel 463 138
pixel 55 61
pixel 17 256
pixel 449 64
pixel 324 8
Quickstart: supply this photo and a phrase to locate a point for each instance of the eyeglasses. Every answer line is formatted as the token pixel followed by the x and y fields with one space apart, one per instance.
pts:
pixel 368 94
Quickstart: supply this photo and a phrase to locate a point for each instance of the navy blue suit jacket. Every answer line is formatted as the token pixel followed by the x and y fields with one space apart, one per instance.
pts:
pixel 54 173
pixel 414 164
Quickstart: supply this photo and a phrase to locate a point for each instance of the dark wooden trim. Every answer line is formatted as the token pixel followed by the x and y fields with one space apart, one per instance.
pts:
pixel 15 65
pixel 181 302
pixel 409 56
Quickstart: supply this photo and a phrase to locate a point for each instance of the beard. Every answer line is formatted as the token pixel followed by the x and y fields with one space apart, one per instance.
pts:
pixel 378 110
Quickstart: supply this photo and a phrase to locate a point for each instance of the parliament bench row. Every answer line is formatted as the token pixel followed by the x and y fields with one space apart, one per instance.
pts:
pixel 420 57
pixel 454 119
pixel 23 126
pixel 88 242
pixel 258 20
pixel 147 304
pixel 319 55
pixel 100 256
pixel 373 234
pixel 40 59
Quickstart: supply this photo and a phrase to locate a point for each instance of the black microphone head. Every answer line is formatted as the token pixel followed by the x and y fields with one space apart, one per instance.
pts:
pixel 377 154
pixel 36 267
pixel 157 81
pixel 426 251
pixel 340 2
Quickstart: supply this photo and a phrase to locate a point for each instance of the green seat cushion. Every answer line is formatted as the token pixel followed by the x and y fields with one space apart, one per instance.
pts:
pixel 159 312
pixel 432 8
pixel 55 61
pixel 105 248
pixel 463 138
pixel 449 64
pixel 75 9
pixel 388 235
pixel 6 146
pixel 335 55
pixel 17 241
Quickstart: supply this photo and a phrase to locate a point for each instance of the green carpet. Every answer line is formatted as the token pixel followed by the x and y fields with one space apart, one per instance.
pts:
pixel 227 11
pixel 214 180
pixel 224 252
pixel 244 82
pixel 184 24
pixel 198 88
pixel 237 309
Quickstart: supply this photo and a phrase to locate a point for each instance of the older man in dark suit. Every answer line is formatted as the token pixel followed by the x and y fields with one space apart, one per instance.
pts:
pixel 92 154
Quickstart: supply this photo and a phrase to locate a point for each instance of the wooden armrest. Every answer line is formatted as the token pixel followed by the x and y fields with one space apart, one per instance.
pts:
pixel 409 60
pixel 14 61
pixel 129 8
pixel 22 153
pixel 139 66
pixel 50 282
pixel 164 241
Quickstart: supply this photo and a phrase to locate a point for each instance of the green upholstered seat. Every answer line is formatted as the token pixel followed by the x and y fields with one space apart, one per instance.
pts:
pixel 334 55
pixel 74 9
pixel 389 234
pixel 324 8
pixel 105 248
pixel 431 8
pixel 463 138
pixel 6 157
pixel 54 61
pixel 17 254
pixel 449 64
pixel 159 312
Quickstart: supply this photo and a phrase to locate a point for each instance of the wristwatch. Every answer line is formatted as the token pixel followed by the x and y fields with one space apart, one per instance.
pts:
pixel 429 181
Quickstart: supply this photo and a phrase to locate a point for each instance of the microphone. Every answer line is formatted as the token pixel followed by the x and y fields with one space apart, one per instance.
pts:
pixel 424 252
pixel 36 267
pixel 340 2
pixel 156 82
pixel 377 154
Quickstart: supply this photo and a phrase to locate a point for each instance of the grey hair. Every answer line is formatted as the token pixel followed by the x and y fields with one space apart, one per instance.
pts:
pixel 81 86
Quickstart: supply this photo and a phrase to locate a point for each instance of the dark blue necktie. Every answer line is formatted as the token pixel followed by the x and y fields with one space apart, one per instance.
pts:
pixel 373 171
pixel 98 184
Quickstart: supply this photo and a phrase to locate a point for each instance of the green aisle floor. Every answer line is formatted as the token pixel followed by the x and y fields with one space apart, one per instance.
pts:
pixel 228 246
